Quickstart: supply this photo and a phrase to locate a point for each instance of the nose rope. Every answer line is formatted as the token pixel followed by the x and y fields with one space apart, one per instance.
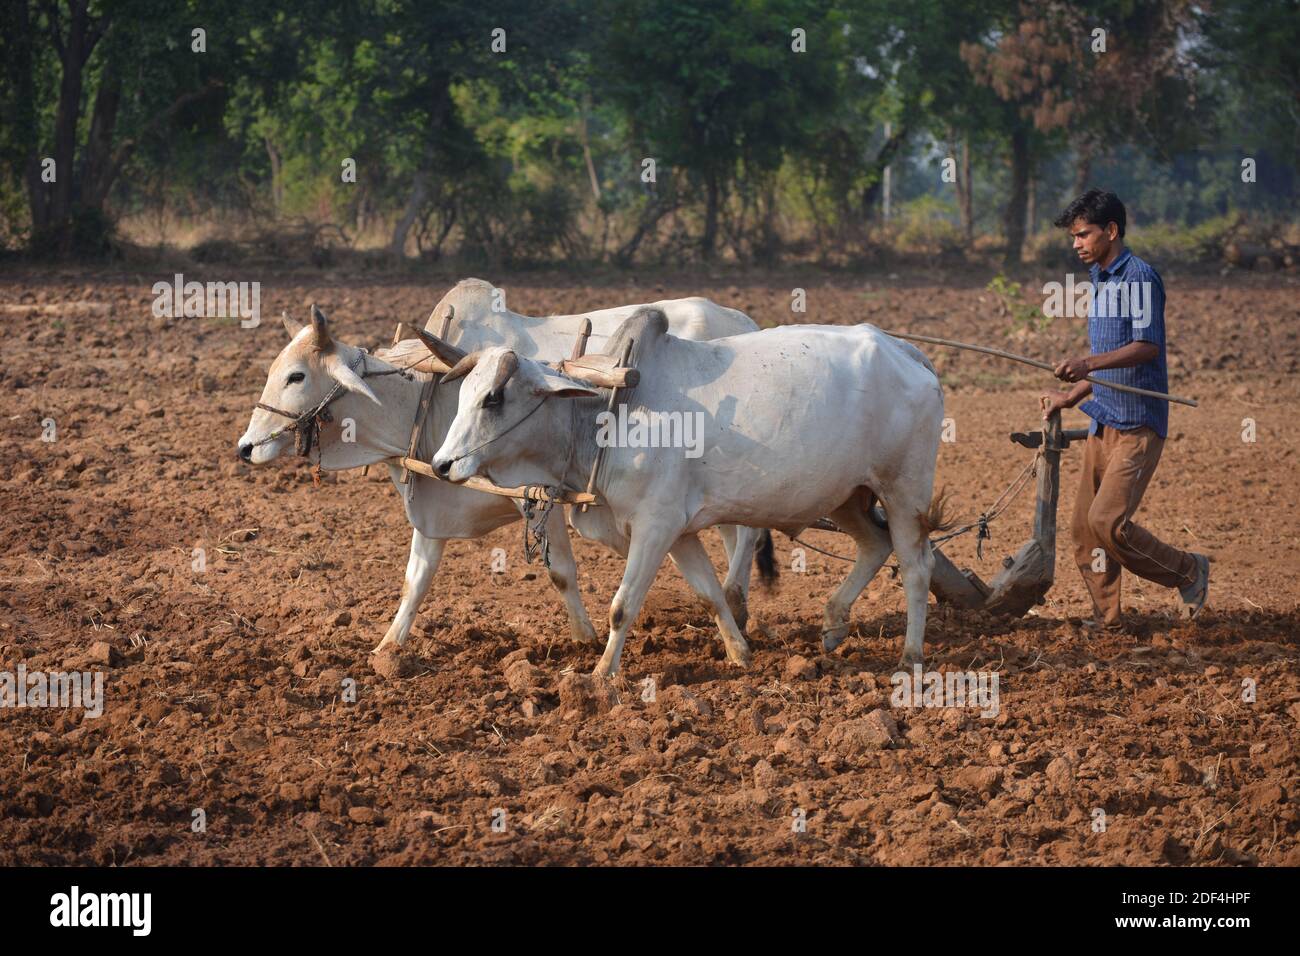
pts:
pixel 504 433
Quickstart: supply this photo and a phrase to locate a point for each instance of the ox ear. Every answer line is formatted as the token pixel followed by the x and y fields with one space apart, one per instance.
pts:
pixel 291 325
pixel 349 379
pixel 320 329
pixel 447 353
pixel 559 387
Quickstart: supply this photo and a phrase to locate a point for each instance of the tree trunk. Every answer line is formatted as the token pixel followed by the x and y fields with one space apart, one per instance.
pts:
pixel 1031 206
pixel 21 115
pixel 414 202
pixel 1084 173
pixel 655 211
pixel 586 148
pixel 277 176
pixel 65 125
pixel 440 110
pixel 709 240
pixel 963 184
pixel 876 171
pixel 99 171
pixel 1014 219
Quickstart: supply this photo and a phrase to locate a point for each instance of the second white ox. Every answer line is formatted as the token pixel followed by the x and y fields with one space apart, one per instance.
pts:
pixel 385 407
pixel 798 422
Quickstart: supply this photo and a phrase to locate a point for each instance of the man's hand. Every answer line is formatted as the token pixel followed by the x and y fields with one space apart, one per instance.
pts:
pixel 1074 370
pixel 1054 402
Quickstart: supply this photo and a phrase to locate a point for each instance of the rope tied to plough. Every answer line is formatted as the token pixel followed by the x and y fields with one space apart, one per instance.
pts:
pixel 1000 505
pixel 981 523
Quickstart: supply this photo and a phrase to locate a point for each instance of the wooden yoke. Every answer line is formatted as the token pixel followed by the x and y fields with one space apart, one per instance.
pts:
pixel 632 377
pixel 600 371
pixel 426 394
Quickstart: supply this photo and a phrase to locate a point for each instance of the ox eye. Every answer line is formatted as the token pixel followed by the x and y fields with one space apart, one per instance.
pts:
pixel 492 400
pixel 296 377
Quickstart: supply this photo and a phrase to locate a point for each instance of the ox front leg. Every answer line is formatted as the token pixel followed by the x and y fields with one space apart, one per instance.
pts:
pixel 420 568
pixel 692 560
pixel 564 575
pixel 646 552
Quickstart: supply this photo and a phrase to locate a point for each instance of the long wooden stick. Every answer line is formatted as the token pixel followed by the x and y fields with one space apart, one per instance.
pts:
pixel 1037 364
pixel 533 492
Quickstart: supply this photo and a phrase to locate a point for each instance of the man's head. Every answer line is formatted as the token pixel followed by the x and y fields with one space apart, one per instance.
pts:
pixel 1096 223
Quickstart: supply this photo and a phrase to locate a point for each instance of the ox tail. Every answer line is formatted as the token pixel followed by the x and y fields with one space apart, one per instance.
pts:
pixel 765 557
pixel 938 517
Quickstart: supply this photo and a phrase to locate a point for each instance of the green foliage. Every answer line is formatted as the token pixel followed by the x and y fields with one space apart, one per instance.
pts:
pixel 1163 242
pixel 928 224
pixel 1013 305
pixel 534 154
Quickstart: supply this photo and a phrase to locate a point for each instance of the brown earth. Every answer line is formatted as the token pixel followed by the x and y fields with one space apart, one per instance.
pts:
pixel 224 686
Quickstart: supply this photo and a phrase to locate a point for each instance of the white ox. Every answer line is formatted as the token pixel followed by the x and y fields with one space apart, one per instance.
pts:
pixel 384 408
pixel 799 422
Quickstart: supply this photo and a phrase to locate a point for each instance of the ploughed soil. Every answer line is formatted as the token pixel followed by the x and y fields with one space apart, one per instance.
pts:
pixel 228 689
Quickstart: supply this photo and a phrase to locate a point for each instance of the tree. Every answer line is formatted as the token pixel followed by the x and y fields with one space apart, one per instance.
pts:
pixel 714 90
pixel 1057 76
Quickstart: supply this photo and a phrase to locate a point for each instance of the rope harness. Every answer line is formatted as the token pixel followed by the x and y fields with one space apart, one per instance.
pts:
pixel 536 536
pixel 981 523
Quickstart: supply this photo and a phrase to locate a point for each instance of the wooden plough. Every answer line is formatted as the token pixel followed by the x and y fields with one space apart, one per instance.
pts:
pixel 1026 577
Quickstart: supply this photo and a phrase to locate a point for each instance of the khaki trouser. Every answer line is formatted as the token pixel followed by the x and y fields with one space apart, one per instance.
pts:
pixel 1117 466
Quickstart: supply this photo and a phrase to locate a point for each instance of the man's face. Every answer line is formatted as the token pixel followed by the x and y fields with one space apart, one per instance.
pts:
pixel 1093 242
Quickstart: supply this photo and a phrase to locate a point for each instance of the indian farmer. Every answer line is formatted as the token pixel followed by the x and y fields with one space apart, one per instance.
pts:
pixel 1126 334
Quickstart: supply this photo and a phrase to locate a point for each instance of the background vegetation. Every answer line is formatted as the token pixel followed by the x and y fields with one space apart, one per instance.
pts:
pixel 826 130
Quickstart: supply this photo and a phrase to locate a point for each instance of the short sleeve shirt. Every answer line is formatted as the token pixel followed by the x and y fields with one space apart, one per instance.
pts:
pixel 1128 305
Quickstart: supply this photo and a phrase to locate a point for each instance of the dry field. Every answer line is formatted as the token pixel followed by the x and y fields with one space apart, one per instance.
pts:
pixel 223 686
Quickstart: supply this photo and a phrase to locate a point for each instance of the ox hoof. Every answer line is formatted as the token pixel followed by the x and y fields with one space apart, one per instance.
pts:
pixel 910 660
pixel 834 637
pixel 386 645
pixel 391 665
pixel 740 656
pixel 739 608
pixel 583 633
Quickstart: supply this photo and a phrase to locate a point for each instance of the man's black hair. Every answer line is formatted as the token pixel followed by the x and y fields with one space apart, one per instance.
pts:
pixel 1095 207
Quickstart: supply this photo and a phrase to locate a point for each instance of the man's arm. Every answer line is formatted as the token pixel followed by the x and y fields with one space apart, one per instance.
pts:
pixel 1135 353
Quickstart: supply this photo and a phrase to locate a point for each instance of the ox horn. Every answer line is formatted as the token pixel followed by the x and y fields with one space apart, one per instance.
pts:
pixel 447 353
pixel 509 365
pixel 462 367
pixel 319 328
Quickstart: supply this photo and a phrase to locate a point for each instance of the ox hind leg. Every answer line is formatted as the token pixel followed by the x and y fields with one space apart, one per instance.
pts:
pixel 909 531
pixel 420 568
pixel 564 576
pixel 739 543
pixel 873 546
pixel 692 560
